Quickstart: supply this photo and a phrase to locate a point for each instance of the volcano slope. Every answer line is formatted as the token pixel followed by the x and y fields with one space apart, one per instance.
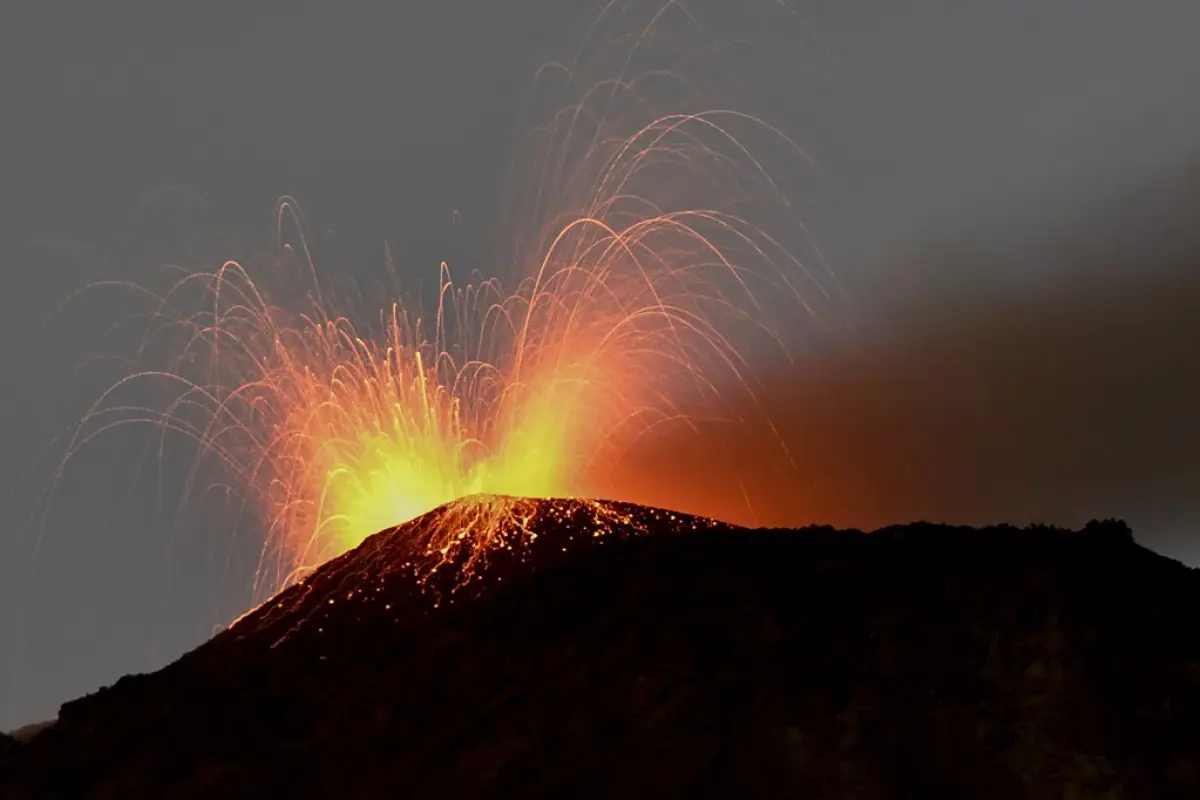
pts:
pixel 615 650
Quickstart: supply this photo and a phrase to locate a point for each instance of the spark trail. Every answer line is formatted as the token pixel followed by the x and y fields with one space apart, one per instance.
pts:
pixel 640 277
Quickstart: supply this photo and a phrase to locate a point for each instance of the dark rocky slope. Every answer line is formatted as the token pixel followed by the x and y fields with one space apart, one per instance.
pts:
pixel 917 661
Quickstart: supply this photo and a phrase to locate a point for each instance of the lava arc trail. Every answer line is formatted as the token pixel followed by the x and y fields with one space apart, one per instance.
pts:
pixel 640 279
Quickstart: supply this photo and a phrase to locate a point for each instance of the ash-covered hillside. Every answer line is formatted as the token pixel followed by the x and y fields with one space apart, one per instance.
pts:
pixel 611 650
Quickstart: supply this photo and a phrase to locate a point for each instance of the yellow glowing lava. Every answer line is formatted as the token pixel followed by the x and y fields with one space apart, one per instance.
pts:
pixel 380 437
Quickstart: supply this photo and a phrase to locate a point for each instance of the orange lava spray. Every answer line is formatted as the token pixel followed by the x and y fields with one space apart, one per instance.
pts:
pixel 630 303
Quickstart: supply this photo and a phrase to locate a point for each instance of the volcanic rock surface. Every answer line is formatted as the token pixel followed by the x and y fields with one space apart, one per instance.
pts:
pixel 615 650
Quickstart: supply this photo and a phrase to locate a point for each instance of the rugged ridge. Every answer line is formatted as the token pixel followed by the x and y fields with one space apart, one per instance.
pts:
pixel 674 656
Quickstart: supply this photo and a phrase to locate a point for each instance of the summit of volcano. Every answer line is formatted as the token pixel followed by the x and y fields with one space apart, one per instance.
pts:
pixel 585 647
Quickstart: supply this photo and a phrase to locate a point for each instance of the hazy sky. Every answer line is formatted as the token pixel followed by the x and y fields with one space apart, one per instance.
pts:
pixel 1007 191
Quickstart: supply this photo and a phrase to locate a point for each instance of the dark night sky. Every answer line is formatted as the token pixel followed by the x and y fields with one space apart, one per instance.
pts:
pixel 1008 195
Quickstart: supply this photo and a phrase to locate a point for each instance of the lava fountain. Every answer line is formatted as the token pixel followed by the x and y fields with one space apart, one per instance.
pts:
pixel 639 280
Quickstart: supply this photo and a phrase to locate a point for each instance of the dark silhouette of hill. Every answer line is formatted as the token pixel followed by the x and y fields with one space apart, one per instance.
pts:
pixel 616 650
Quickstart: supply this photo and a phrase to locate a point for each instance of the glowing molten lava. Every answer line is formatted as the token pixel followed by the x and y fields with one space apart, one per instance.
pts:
pixel 516 399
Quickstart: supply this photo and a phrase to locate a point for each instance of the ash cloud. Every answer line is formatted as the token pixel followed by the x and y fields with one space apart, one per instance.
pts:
pixel 1049 402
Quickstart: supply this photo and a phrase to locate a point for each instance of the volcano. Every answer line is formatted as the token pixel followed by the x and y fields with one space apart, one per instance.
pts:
pixel 606 649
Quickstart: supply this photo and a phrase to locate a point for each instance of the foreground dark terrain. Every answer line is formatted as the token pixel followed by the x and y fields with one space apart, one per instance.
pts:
pixel 917 661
